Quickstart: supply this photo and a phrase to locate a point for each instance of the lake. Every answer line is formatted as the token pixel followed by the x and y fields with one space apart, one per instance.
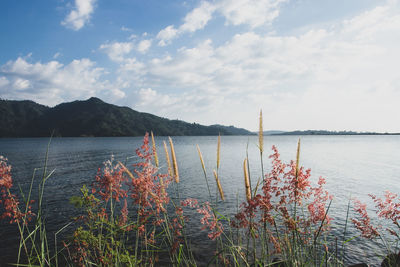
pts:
pixel 353 166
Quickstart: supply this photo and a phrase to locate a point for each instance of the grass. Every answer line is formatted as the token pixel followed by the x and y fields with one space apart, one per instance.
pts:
pixel 133 216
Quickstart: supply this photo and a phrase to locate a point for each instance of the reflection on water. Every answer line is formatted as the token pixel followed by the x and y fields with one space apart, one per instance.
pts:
pixel 352 165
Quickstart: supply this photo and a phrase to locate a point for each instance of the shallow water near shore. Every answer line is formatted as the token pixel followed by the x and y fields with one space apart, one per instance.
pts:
pixel 354 166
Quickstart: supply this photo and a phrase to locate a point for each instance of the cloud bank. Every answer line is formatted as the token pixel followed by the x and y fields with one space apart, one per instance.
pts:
pixel 341 75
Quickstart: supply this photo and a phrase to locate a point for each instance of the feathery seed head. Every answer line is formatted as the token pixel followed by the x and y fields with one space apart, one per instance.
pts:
pixel 218 150
pixel 154 149
pixel 201 158
pixel 297 157
pixel 246 180
pixel 221 192
pixel 168 160
pixel 174 162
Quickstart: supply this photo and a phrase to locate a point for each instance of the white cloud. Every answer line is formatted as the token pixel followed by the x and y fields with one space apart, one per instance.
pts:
pixel 197 18
pixel 4 82
pixel 119 51
pixel 254 13
pixel 52 82
pixel 80 15
pixel 116 51
pixel 193 21
pixel 166 35
pixel 149 97
pixel 21 84
pixel 336 77
pixel 144 46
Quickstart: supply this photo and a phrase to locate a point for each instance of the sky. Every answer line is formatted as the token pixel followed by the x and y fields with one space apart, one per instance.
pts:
pixel 308 64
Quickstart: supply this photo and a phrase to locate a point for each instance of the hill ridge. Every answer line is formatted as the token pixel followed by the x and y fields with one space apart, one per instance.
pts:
pixel 94 117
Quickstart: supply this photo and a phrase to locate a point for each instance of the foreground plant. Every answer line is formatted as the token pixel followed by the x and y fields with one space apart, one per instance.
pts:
pixel 10 201
pixel 294 212
pixel 387 210
pixel 111 235
pixel 128 217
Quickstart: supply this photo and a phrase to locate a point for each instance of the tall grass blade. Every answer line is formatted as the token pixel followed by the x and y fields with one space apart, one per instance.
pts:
pixel 246 180
pixel 154 149
pixel 221 192
pixel 174 162
pixel 168 160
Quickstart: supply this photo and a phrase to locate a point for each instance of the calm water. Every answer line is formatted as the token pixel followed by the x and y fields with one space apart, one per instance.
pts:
pixel 352 165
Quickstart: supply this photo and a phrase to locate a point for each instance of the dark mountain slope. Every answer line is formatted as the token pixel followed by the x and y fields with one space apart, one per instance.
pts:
pixel 17 118
pixel 94 117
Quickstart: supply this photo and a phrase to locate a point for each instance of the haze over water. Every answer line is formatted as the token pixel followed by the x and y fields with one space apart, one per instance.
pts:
pixel 354 166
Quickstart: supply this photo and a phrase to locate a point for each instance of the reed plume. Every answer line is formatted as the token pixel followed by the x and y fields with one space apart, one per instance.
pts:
pixel 204 169
pixel 174 163
pixel 261 134
pixel 157 163
pixel 125 169
pixel 246 180
pixel 168 160
pixel 297 158
pixel 201 159
pixel 221 192
pixel 218 150
pixel 154 149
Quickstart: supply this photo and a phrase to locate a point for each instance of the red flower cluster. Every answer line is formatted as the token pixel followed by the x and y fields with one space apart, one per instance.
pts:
pixel 10 201
pixel 387 208
pixel 286 187
pixel 210 221
pixel 146 186
pixel 109 182
pixel 364 223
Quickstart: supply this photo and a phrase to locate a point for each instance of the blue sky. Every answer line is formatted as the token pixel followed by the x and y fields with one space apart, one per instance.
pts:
pixel 308 64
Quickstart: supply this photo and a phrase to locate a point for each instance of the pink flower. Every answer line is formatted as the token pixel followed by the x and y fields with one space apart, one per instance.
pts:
pixel 210 221
pixel 364 223
pixel 389 208
pixel 109 182
pixel 190 202
pixel 285 187
pixel 10 201
pixel 124 214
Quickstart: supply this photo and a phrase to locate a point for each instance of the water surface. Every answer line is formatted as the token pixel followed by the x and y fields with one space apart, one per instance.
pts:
pixel 353 166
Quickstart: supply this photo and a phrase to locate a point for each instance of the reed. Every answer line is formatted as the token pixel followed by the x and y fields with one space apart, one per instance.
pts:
pixel 174 162
pixel 261 134
pixel 168 159
pixel 154 149
pixel 297 157
pixel 108 235
pixel 221 192
pixel 201 159
pixel 246 180
pixel 218 151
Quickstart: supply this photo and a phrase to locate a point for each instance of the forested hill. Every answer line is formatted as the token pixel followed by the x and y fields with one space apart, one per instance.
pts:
pixel 93 117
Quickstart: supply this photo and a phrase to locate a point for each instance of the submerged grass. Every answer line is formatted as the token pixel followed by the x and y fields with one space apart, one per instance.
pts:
pixel 284 220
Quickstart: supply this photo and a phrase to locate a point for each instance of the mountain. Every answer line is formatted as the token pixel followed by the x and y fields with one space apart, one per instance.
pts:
pixel 93 117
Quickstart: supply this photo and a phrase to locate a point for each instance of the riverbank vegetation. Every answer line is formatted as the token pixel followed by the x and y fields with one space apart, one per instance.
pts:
pixel 134 216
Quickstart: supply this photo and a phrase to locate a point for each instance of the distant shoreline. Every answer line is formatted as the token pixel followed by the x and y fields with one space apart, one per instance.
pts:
pixel 324 132
pixel 287 134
